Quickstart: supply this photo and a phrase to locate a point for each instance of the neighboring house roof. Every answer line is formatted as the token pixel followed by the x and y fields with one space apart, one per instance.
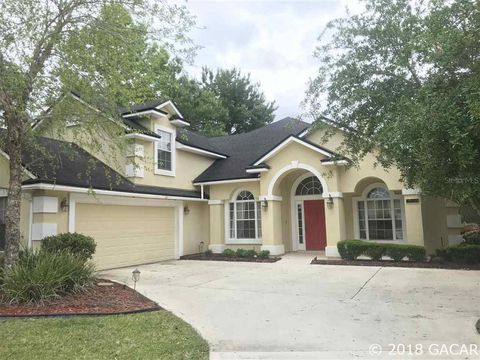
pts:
pixel 244 149
pixel 62 163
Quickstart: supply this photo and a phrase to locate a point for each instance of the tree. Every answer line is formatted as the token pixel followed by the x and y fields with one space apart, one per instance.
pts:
pixel 33 34
pixel 403 77
pixel 200 106
pixel 244 101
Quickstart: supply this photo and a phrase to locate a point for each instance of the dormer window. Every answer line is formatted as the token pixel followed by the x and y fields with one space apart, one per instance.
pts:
pixel 165 151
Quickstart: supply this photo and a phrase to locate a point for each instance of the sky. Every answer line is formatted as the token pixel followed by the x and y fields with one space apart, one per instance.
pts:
pixel 272 40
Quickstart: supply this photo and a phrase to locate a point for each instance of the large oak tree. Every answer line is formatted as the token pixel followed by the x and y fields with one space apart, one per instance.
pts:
pixel 403 78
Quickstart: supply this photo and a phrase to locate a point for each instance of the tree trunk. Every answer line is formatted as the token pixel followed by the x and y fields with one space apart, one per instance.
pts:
pixel 12 216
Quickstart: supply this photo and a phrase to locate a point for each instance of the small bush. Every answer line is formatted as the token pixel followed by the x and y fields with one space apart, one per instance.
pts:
pixel 264 254
pixel 462 253
pixel 375 251
pixel 251 253
pixel 77 244
pixel 472 237
pixel 241 253
pixel 208 253
pixel 228 253
pixel 37 277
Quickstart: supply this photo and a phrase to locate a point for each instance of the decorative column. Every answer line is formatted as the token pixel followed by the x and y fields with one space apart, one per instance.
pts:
pixel 334 222
pixel 413 217
pixel 217 233
pixel 272 236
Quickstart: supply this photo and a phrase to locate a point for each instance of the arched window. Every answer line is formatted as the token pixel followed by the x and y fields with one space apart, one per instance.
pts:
pixel 380 215
pixel 309 186
pixel 245 217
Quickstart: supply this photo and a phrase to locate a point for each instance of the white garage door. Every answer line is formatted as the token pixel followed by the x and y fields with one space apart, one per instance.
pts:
pixel 127 235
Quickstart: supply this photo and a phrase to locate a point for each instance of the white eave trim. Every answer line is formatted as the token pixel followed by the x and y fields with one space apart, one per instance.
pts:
pixel 74 189
pixel 287 141
pixel 227 181
pixel 258 170
pixel 196 150
pixel 145 112
pixel 180 122
pixel 335 163
pixel 170 102
pixel 25 170
pixel 141 137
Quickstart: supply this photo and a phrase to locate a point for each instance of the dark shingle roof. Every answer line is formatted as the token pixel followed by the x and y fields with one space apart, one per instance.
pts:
pixel 63 163
pixel 190 138
pixel 244 149
pixel 134 127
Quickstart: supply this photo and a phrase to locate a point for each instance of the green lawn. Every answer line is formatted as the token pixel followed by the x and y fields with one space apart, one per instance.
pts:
pixel 156 335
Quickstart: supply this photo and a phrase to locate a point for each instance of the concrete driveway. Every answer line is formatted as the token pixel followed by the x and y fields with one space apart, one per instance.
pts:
pixel 291 309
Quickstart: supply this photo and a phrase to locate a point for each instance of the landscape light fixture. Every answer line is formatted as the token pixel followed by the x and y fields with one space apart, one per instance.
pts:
pixel 135 278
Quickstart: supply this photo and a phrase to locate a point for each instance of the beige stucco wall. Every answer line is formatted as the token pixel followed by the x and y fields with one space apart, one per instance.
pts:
pixel 196 227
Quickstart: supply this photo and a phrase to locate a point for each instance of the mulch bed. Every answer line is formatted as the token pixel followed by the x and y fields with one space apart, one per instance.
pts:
pixel 220 257
pixel 404 264
pixel 99 300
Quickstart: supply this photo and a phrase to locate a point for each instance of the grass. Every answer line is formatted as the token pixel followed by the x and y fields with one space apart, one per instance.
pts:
pixel 156 335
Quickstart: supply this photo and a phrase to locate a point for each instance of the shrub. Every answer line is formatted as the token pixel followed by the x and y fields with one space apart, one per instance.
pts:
pixel 375 251
pixel 241 253
pixel 351 249
pixel 416 253
pixel 472 237
pixel 39 276
pixel 228 253
pixel 77 244
pixel 396 251
pixel 251 253
pixel 264 254
pixel 462 253
pixel 208 253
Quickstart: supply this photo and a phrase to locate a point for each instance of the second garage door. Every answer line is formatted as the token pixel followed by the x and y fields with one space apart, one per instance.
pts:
pixel 128 235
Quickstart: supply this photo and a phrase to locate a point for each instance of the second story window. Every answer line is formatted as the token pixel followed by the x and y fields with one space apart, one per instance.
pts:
pixel 165 152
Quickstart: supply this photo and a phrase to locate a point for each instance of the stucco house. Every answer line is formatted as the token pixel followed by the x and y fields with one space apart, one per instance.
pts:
pixel 280 188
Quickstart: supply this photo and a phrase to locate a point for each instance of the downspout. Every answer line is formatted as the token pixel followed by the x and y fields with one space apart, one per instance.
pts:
pixel 201 191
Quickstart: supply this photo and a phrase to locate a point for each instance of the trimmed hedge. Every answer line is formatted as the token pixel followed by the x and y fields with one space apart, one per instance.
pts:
pixel 264 254
pixel 352 249
pixel 76 244
pixel 463 253
pixel 228 253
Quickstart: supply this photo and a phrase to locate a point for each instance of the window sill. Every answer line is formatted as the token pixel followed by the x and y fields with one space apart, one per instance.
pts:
pixel 243 242
pixel 386 241
pixel 165 173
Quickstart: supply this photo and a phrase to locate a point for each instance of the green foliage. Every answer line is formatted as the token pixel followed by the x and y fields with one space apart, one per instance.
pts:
pixel 375 251
pixel 208 253
pixel 37 277
pixel 402 78
pixel 243 253
pixel 352 249
pixel 264 254
pixel 76 244
pixel 472 237
pixel 463 253
pixel 228 253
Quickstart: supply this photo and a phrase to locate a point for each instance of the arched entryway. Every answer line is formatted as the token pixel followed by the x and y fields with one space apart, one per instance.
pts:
pixel 308 214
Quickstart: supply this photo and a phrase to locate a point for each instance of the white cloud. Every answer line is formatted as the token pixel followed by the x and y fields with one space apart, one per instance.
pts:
pixel 272 40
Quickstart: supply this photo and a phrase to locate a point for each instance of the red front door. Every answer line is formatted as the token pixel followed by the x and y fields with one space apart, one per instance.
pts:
pixel 315 233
